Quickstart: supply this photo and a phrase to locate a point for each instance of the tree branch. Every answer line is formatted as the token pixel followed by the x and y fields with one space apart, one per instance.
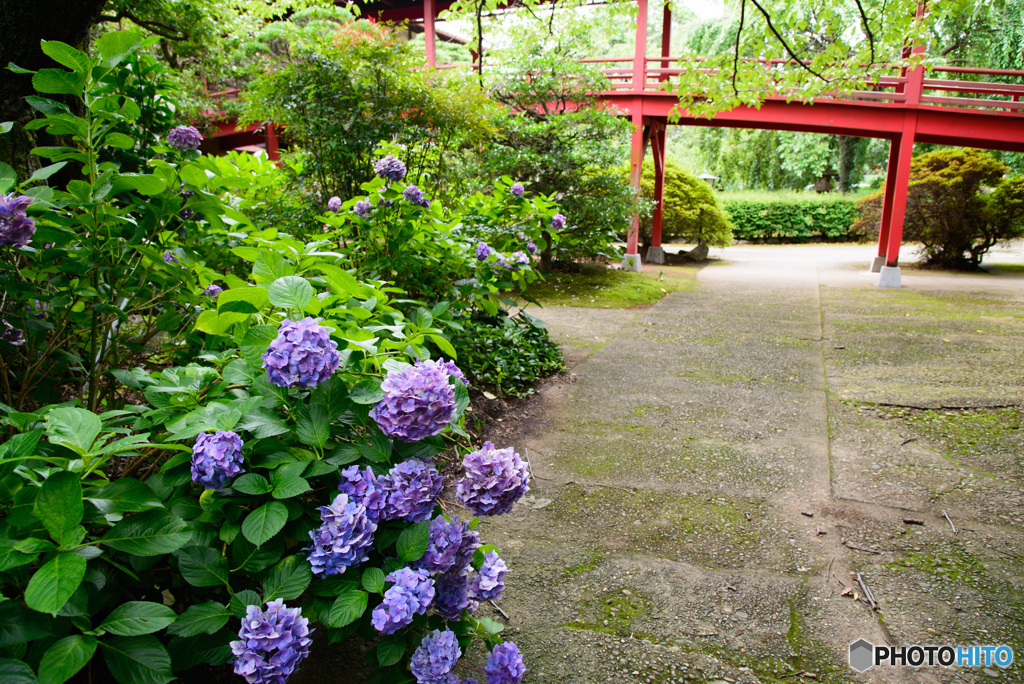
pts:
pixel 736 54
pixel 867 29
pixel 785 45
pixel 158 27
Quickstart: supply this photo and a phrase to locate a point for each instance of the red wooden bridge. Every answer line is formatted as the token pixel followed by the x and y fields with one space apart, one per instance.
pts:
pixel 949 106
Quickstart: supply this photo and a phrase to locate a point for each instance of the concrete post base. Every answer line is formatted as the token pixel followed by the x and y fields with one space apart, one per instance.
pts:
pixel 631 262
pixel 877 264
pixel 889 276
pixel 655 255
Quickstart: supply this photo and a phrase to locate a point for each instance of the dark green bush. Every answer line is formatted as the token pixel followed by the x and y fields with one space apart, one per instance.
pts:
pixel 506 354
pixel 692 211
pixel 792 217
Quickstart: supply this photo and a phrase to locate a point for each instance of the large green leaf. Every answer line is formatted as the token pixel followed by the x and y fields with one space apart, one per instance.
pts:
pixel 269 266
pixel 412 543
pixel 116 45
pixel 16 672
pixel 256 297
pixel 250 558
pixel 251 483
pixel 241 600
pixel 19 625
pixel 366 392
pixel 373 580
pixel 66 657
pixel 347 608
pixel 390 649
pixel 288 579
pixel 57 82
pixel 202 566
pixel 54 583
pixel 124 495
pixel 137 660
pixel 74 428
pixel 291 292
pixel 140 183
pixel 312 424
pixel 59 507
pixel 263 424
pixel 138 617
pixel 265 522
pixel 204 618
pixel 150 533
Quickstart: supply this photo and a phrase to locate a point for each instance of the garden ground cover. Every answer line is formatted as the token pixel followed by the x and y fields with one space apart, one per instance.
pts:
pixel 665 539
pixel 598 287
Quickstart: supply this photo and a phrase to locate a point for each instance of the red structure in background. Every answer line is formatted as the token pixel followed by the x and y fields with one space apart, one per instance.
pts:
pixel 903 108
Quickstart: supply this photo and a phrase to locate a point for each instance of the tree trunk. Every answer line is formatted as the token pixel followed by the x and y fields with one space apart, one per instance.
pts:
pixel 847 161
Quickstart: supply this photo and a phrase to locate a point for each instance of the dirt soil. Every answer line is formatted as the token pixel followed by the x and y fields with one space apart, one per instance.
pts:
pixel 714 472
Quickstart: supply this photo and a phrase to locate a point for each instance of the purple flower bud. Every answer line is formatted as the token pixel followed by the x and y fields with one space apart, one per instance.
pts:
pixel 415 196
pixel 16 228
pixel 435 657
pixel 216 458
pixel 517 190
pixel 11 335
pixel 495 479
pixel 343 539
pixel 212 290
pixel 302 355
pixel 531 247
pixel 410 595
pixel 505 665
pixel 418 402
pixel 334 204
pixel 487 583
pixel 482 251
pixel 271 643
pixel 365 489
pixel 390 168
pixel 558 222
pixel 170 258
pixel 185 138
pixel 455 372
pixel 363 208
pixel 410 489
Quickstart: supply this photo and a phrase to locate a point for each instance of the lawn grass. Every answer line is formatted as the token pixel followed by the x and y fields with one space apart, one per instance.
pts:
pixel 610 288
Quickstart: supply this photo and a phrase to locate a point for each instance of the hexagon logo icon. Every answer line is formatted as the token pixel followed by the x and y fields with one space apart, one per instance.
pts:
pixel 862 654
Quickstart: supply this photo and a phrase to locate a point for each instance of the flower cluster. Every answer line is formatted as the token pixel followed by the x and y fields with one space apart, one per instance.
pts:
pixel 343 538
pixel 482 251
pixel 488 581
pixel 495 479
pixel 558 222
pixel 453 594
pixel 435 657
pixel 520 259
pixel 334 204
pixel 390 167
pixel 16 228
pixel 531 247
pixel 364 489
pixel 455 372
pixel 11 335
pixel 363 208
pixel 410 489
pixel 185 213
pixel 271 643
pixel 517 190
pixel 410 595
pixel 212 290
pixel 418 402
pixel 216 458
pixel 170 258
pixel 444 544
pixel 302 355
pixel 415 196
pixel 505 665
pixel 184 138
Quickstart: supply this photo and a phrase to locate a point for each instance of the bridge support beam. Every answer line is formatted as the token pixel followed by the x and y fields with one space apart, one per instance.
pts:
pixel 655 254
pixel 887 199
pixel 429 34
pixel 638 149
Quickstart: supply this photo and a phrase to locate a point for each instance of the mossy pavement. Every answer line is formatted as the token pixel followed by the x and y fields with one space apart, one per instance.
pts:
pixel 717 467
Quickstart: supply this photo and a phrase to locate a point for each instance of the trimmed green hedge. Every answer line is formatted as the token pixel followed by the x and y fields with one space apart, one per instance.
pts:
pixel 792 217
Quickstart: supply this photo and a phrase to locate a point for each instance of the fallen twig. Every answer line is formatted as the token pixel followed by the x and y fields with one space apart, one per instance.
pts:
pixel 913 521
pixel 867 591
pixel 949 521
pixel 807 513
pixel 495 606
pixel 908 441
pixel 792 674
pixel 700 634
pixel 858 548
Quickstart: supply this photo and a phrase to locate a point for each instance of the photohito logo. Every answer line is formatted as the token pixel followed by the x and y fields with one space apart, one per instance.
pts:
pixel 865 655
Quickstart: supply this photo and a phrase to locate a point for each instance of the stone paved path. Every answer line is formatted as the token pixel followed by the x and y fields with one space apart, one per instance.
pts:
pixel 717 454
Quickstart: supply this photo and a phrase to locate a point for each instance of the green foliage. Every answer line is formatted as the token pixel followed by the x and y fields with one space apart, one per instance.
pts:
pixel 960 204
pixel 691 211
pixel 506 354
pixel 792 217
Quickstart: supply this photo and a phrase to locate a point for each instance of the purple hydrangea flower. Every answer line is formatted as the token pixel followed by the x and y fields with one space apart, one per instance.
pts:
pixel 410 595
pixel 271 643
pixel 531 247
pixel 455 372
pixel 363 488
pixel 16 228
pixel 11 335
pixel 410 489
pixel 470 543
pixel 170 258
pixel 495 479
pixel 390 167
pixel 363 208
pixel 558 222
pixel 212 290
pixel 505 665
pixel 343 538
pixel 415 195
pixel 302 355
pixel 482 251
pixel 487 583
pixel 436 657
pixel 517 190
pixel 216 458
pixel 453 594
pixel 185 213
pixel 418 402
pixel 520 259
pixel 443 546
pixel 334 204
pixel 184 138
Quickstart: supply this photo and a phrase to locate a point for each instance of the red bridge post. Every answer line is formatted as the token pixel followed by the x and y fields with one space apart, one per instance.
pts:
pixel 655 254
pixel 638 144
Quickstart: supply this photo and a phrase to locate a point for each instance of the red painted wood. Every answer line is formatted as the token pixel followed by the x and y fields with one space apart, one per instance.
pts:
pixel 429 35
pixel 639 48
pixel 638 149
pixel 887 198
pixel 666 38
pixel 899 194
pixel 658 151
pixel 272 152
